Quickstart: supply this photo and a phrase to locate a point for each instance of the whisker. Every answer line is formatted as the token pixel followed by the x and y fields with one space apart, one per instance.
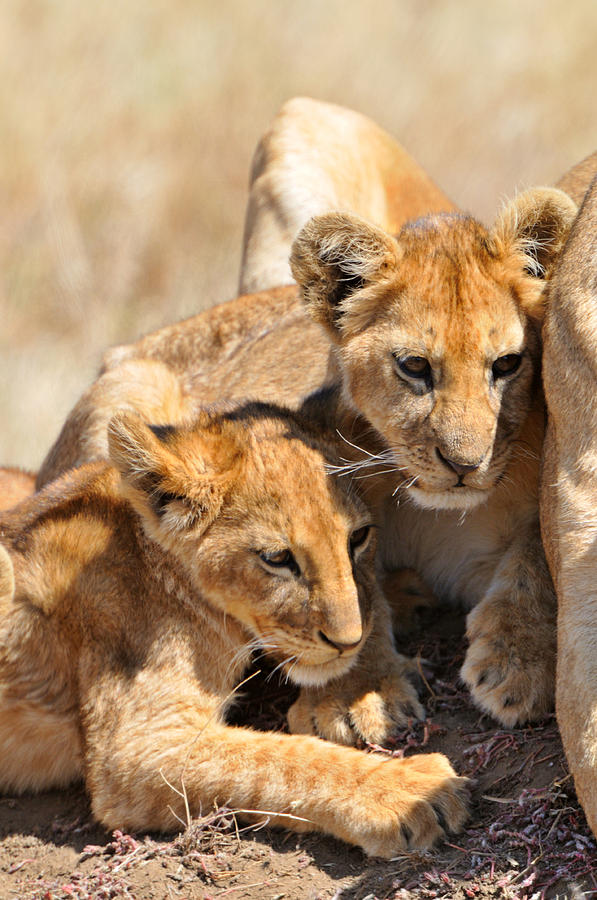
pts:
pixel 288 674
pixel 356 446
pixel 374 474
pixel 280 665
pixel 412 482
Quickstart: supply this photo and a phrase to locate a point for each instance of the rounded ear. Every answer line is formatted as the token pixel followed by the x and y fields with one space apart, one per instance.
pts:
pixel 334 257
pixel 166 474
pixel 537 223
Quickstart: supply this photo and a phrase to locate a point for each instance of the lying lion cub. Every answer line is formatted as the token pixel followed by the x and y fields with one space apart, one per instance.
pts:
pixel 131 600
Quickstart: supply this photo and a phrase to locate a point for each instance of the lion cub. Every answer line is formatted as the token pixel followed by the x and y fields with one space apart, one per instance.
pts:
pixel 132 598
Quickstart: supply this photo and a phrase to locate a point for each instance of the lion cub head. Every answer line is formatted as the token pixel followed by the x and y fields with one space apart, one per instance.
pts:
pixel 437 333
pixel 245 503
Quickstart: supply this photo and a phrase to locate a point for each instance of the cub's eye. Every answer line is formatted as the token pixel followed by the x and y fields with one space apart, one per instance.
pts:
pixel 359 537
pixel 414 366
pixel 282 559
pixel 506 365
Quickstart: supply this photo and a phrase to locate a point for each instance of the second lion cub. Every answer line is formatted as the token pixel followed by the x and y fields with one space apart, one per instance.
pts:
pixel 131 598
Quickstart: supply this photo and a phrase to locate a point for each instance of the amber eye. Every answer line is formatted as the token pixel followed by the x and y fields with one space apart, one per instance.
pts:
pixel 281 559
pixel 414 366
pixel 359 537
pixel 506 365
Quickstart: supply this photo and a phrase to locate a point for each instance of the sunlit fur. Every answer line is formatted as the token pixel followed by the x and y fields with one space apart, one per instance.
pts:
pixel 569 493
pixel 457 480
pixel 132 597
pixel 446 286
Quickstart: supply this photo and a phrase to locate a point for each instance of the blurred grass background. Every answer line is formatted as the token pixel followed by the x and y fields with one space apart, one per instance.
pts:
pixel 127 129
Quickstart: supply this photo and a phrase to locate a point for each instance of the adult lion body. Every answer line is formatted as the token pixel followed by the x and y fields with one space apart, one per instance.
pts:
pixel 435 344
pixel 132 598
pixel 569 494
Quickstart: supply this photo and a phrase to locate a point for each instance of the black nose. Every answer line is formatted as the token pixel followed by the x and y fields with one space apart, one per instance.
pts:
pixel 339 646
pixel 457 467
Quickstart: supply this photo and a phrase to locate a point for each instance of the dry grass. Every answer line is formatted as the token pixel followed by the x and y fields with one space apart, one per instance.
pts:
pixel 127 131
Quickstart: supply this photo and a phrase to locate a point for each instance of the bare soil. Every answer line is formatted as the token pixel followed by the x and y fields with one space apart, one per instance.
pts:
pixel 526 838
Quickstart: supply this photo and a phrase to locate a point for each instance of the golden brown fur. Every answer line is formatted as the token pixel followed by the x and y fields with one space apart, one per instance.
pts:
pixel 569 494
pixel 316 157
pixel 459 504
pixel 458 295
pixel 463 439
pixel 132 597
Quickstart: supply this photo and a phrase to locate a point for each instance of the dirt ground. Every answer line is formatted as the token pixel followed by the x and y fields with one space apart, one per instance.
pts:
pixel 526 837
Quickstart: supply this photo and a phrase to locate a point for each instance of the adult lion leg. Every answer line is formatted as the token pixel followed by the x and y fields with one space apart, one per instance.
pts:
pixel 510 665
pixel 569 492
pixel 156 747
pixel 317 157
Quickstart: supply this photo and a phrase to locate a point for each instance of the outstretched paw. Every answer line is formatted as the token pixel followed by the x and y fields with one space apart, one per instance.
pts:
pixel 416 802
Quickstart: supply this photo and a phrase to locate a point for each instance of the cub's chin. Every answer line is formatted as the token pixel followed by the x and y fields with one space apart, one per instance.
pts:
pixel 461 498
pixel 318 675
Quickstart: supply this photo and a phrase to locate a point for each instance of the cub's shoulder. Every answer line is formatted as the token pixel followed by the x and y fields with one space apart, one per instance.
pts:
pixel 51 536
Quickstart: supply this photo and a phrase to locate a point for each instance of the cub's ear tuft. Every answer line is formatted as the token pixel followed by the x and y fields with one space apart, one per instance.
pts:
pixel 537 223
pixel 334 257
pixel 168 475
pixel 148 468
pixel 136 451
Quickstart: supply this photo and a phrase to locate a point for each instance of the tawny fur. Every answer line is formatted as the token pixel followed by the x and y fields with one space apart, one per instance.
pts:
pixel 569 493
pixel 457 294
pixel 449 291
pixel 132 597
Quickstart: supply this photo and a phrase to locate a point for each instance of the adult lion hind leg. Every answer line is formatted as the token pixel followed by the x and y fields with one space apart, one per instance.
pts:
pixel 510 664
pixel 569 493
pixel 155 747
pixel 145 386
pixel 317 157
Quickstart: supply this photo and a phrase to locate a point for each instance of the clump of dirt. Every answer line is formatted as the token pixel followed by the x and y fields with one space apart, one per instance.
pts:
pixel 527 838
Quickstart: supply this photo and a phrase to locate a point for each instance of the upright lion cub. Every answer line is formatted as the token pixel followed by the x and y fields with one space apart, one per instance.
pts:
pixel 131 599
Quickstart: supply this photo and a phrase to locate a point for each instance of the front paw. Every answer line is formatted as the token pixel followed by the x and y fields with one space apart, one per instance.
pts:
pixel 509 667
pixel 409 804
pixel 359 706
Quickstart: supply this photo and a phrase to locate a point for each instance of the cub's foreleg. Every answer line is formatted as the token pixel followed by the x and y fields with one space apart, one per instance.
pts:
pixel 510 664
pixel 154 736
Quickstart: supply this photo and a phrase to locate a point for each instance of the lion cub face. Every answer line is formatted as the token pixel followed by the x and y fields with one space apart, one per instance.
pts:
pixel 246 504
pixel 437 334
